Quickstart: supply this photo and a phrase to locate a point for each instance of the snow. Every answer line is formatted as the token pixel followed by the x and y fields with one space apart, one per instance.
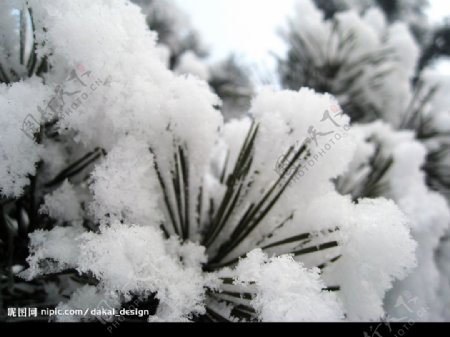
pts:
pixel 367 268
pixel 87 299
pixel 142 114
pixel 285 290
pixel 125 259
pixel 19 118
pixel 427 211
pixel 9 37
pixel 355 43
pixel 63 204
pixel 441 122
pixel 59 247
pixel 128 168
pixel 190 64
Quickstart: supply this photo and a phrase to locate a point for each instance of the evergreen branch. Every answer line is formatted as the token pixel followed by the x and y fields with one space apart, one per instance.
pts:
pixel 326 264
pixel 178 188
pixel 293 239
pixel 277 228
pixel 317 248
pixel 22 35
pixel 235 179
pixel 248 223
pixel 215 317
pixel 372 184
pixel 199 208
pixel 165 194
pixel 332 289
pixel 76 167
pixel 184 170
pixel 3 76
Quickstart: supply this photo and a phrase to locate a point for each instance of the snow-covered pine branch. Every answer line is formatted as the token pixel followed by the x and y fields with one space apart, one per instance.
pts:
pixel 370 61
pixel 176 208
